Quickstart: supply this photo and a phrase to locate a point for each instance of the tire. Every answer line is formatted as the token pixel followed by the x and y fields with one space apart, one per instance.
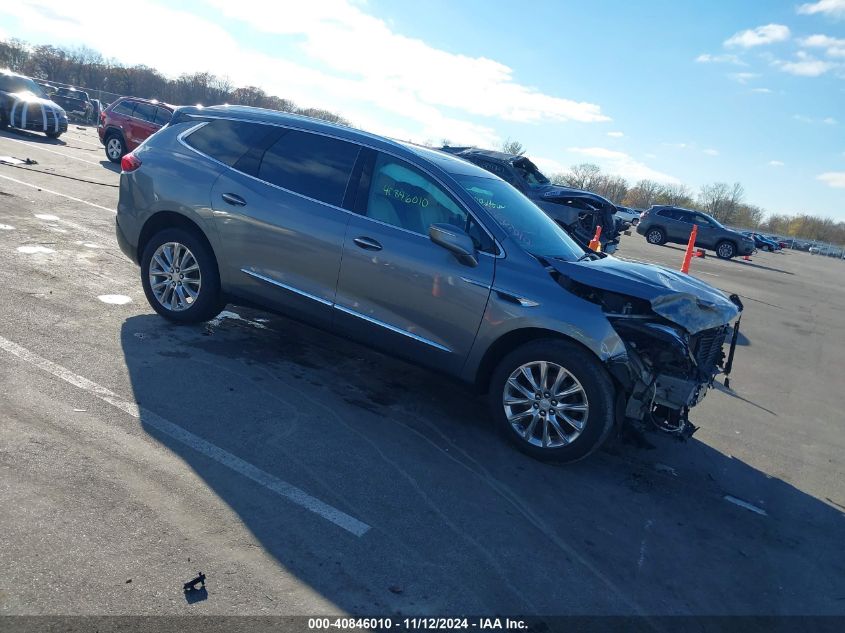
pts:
pixel 582 372
pixel 115 147
pixel 204 282
pixel 725 249
pixel 635 222
pixel 656 236
pixel 53 134
pixel 4 122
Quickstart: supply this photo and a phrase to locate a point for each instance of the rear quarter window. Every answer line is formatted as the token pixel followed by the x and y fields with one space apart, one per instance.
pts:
pixel 310 164
pixel 145 112
pixel 226 141
pixel 163 116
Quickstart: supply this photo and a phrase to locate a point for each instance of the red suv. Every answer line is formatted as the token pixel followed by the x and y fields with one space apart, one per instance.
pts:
pixel 127 122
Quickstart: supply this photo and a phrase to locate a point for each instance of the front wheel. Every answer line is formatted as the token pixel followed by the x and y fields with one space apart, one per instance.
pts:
pixel 180 277
pixel 53 134
pixel 725 250
pixel 553 400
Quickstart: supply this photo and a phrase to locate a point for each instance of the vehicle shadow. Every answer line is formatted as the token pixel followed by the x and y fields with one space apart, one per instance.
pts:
pixel 113 167
pixel 751 264
pixel 35 137
pixel 459 522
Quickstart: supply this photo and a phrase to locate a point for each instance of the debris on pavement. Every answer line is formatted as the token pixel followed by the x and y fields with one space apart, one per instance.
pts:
pixel 191 585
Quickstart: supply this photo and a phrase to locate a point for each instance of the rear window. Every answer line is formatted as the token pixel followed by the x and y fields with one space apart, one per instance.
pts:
pixel 310 164
pixel 124 107
pixel 226 141
pixel 668 213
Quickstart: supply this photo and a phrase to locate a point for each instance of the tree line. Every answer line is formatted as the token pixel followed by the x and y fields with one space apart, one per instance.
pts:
pixel 724 201
pixel 87 68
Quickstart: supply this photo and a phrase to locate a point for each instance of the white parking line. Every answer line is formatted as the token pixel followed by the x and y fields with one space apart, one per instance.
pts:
pixel 44 149
pixel 212 451
pixel 56 193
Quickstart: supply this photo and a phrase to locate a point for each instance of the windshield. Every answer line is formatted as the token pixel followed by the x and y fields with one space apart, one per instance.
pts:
pixel 530 174
pixel 10 83
pixel 521 219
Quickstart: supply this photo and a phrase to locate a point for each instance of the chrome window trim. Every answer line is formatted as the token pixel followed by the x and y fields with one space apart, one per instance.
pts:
pixel 129 116
pixel 181 138
pixel 274 282
pixel 393 328
pixel 326 302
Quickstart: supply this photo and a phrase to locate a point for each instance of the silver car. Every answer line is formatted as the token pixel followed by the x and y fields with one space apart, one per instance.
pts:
pixel 425 256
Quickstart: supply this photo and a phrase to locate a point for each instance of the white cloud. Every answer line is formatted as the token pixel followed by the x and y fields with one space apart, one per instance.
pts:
pixel 707 58
pixel 549 166
pixel 326 60
pixel 711 152
pixel 762 91
pixel 833 179
pixel 834 46
pixel 805 66
pixel 775 163
pixel 343 38
pixel 768 34
pixel 834 8
pixel 743 78
pixel 802 118
pixel 622 164
pixel 616 134
pixel 829 121
pixel 650 155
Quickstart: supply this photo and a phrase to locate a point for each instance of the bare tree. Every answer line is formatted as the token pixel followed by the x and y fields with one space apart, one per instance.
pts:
pixel 14 55
pixel 513 147
pixel 643 194
pixel 583 176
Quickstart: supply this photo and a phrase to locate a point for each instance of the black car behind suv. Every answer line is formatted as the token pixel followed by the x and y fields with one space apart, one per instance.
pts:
pixel 661 224
pixel 577 211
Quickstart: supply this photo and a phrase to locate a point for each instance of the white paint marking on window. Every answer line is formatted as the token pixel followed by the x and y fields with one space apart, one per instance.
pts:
pixel 56 193
pixel 204 447
pixel 32 250
pixel 117 300
pixel 746 505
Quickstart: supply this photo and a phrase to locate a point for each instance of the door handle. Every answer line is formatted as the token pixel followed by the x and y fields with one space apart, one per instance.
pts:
pixel 367 243
pixel 233 199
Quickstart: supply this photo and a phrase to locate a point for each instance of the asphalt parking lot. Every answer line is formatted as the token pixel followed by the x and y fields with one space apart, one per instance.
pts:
pixel 307 475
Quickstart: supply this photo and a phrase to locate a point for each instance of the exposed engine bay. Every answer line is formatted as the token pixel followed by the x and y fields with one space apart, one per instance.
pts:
pixel 674 333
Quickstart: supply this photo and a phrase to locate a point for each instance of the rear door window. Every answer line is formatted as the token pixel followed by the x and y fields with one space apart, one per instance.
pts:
pixel 145 112
pixel 124 107
pixel 226 141
pixel 163 116
pixel 309 164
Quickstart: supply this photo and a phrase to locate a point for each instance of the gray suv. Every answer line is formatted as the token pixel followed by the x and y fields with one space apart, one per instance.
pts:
pixel 422 255
pixel 661 224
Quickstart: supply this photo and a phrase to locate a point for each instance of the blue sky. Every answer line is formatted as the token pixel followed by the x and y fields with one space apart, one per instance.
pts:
pixel 687 92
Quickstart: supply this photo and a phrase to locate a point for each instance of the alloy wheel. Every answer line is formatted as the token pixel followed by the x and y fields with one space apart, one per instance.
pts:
pixel 545 404
pixel 114 148
pixel 655 237
pixel 175 276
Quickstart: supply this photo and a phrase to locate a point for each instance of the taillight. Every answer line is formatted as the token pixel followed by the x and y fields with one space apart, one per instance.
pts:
pixel 130 162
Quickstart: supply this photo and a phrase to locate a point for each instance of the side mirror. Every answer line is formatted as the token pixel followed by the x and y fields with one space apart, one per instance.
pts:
pixel 455 241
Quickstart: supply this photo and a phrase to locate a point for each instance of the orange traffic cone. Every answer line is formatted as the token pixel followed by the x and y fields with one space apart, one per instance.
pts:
pixel 595 245
pixel 747 258
pixel 688 253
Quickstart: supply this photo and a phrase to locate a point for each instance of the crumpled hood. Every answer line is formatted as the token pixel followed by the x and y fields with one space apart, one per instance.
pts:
pixel 677 297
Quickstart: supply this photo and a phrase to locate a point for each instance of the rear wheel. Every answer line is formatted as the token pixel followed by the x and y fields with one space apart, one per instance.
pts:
pixel 725 250
pixel 553 400
pixel 53 134
pixel 180 277
pixel 115 148
pixel 656 236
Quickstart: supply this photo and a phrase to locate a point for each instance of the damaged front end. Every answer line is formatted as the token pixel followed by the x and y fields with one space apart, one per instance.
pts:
pixel 674 329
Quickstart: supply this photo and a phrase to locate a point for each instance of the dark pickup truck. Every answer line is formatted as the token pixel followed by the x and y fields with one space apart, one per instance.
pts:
pixel 75 102
pixel 579 212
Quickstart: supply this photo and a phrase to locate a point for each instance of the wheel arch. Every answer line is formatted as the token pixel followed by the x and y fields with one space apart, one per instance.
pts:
pixel 510 341
pixel 169 220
